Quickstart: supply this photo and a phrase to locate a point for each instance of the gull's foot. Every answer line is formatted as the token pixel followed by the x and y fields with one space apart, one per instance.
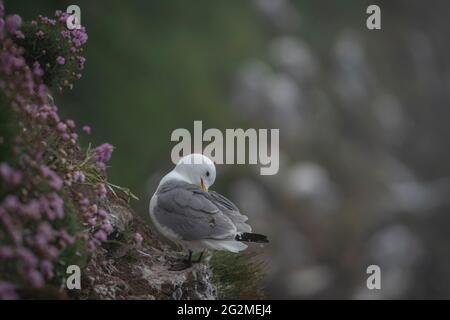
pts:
pixel 180 266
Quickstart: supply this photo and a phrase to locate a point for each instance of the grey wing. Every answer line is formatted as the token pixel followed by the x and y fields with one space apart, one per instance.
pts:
pixel 186 210
pixel 231 211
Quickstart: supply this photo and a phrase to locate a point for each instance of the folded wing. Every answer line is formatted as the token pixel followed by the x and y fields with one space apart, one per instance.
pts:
pixel 191 213
pixel 231 211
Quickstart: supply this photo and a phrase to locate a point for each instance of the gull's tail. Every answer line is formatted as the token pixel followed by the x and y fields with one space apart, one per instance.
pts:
pixel 251 237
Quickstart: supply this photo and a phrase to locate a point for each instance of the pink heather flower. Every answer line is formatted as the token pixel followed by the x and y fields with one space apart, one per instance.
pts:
pixel 87 130
pixel 92 221
pixel 138 238
pixel 27 257
pixel 46 230
pixel 101 235
pixel 101 190
pixel 84 202
pixel 57 205
pixel 103 153
pixel 11 203
pixel 67 238
pixel 79 176
pixel 13 22
pixel 32 209
pixel 102 213
pixel 19 34
pixel 2 24
pixel 37 70
pixel 91 246
pixel 65 33
pixel 35 278
pixel 54 180
pixel 40 34
pixel 60 60
pixel 82 61
pixel 62 127
pixel 47 269
pixel 10 175
pixel 7 290
pixel 6 253
pixel 71 124
pixel 107 227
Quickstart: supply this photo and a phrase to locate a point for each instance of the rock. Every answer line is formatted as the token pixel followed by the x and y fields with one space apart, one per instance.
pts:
pixel 121 269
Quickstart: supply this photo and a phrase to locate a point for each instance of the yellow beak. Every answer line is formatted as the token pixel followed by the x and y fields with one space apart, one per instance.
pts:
pixel 202 185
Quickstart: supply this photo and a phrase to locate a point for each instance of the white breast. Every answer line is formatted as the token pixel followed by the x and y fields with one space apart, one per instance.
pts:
pixel 168 233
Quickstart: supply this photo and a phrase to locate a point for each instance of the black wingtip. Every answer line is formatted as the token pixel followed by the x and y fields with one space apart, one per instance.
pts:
pixel 252 237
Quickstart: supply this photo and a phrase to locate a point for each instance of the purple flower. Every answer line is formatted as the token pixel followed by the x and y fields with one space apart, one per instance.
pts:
pixel 67 238
pixel 101 235
pixel 71 124
pixel 107 227
pixel 37 70
pixel 54 180
pixel 19 34
pixel 84 202
pixel 6 252
pixel 101 190
pixel 10 175
pixel 79 176
pixel 103 153
pixel 102 213
pixel 87 129
pixel 7 290
pixel 138 238
pixel 62 127
pixel 47 268
pixel 32 209
pixel 92 221
pixel 82 61
pixel 35 278
pixel 13 22
pixel 60 60
pixel 27 257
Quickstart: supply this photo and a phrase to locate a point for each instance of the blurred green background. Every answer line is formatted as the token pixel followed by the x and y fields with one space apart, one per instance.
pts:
pixel 154 66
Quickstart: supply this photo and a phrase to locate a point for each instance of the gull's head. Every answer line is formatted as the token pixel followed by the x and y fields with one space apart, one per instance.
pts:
pixel 197 169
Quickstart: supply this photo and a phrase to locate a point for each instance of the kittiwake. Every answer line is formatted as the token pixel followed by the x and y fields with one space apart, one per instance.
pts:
pixel 184 210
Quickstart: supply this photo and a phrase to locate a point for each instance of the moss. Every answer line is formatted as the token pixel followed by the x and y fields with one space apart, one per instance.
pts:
pixel 238 276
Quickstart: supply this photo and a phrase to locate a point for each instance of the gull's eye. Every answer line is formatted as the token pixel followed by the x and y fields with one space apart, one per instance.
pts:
pixel 207 173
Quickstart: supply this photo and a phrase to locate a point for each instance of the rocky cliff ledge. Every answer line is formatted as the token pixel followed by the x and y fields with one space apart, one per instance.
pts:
pixel 122 269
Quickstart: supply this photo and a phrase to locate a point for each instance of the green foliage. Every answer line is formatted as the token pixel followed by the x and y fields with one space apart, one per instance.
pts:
pixel 238 276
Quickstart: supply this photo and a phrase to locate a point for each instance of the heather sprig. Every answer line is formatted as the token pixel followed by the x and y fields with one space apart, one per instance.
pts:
pixel 53 196
pixel 53 49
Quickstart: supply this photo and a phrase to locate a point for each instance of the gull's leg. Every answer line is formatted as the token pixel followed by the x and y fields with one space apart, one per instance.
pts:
pixel 184 264
pixel 189 260
pixel 200 257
